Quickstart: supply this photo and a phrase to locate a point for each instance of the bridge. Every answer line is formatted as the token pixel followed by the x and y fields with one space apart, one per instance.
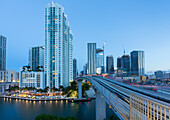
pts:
pixel 128 102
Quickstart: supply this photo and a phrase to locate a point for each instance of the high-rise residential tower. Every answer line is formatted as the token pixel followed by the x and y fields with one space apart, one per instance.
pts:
pixel 36 58
pixel 109 64
pixel 2 53
pixel 91 50
pixel 74 69
pixel 58 47
pixel 137 63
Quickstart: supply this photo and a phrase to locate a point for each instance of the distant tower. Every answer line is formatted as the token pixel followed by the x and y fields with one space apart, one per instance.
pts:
pixel 109 64
pixel 137 63
pixel 91 47
pixel 36 58
pixel 74 69
pixel 3 53
pixel 118 62
pixel 125 63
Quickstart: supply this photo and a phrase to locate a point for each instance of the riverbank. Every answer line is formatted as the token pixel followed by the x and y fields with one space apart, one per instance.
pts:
pixel 49 99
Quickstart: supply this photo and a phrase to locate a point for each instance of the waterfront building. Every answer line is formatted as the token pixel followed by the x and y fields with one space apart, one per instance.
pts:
pixel 118 62
pixel 58 65
pixel 9 76
pixel 3 53
pixel 12 76
pixel 31 79
pixel 36 58
pixel 3 77
pixel 109 64
pixel 91 50
pixel 100 61
pixel 125 63
pixel 74 69
pixel 137 63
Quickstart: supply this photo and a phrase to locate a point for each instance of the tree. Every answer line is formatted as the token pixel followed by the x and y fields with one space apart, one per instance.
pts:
pixel 74 85
pixel 46 117
pixel 46 89
pixel 114 117
pixel 53 117
pixel 86 86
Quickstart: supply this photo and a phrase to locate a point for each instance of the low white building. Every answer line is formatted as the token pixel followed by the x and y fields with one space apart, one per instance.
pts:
pixel 32 79
pixel 9 76
pixel 12 76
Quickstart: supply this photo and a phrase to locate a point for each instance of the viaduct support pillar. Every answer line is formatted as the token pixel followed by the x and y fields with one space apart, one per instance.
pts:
pixel 100 107
pixel 80 89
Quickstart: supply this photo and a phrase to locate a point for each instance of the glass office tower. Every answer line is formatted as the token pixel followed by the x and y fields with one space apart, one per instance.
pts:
pixel 74 69
pixel 58 47
pixel 137 63
pixel 125 63
pixel 100 60
pixel 91 47
pixel 109 64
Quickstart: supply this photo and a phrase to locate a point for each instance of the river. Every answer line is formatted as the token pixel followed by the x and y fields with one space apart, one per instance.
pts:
pixel 22 110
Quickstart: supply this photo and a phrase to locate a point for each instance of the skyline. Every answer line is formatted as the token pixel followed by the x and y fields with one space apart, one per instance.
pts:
pixel 149 27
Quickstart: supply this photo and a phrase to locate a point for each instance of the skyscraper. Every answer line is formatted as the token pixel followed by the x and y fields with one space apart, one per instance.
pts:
pixel 36 58
pixel 137 63
pixel 58 47
pixel 91 47
pixel 2 53
pixel 100 60
pixel 125 63
pixel 118 62
pixel 109 64
pixel 85 69
pixel 74 69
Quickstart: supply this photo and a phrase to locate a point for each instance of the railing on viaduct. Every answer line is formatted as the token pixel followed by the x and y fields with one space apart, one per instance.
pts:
pixel 134 108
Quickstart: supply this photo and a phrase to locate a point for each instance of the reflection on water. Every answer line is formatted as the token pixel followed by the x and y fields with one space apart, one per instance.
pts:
pixel 25 110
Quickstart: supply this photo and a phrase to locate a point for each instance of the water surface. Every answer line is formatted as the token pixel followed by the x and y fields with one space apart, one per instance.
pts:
pixel 22 110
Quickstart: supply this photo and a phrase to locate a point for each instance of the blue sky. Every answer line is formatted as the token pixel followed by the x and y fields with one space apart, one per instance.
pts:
pixel 123 24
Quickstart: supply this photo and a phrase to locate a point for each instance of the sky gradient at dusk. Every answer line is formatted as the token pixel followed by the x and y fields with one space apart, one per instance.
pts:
pixel 123 24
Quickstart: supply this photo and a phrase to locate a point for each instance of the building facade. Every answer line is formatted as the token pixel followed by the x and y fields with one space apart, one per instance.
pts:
pixel 36 58
pixel 125 63
pixel 9 76
pixel 91 50
pixel 74 69
pixel 159 74
pixel 118 62
pixel 3 53
pixel 100 61
pixel 109 64
pixel 12 76
pixel 58 65
pixel 32 79
pixel 137 63
pixel 85 69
